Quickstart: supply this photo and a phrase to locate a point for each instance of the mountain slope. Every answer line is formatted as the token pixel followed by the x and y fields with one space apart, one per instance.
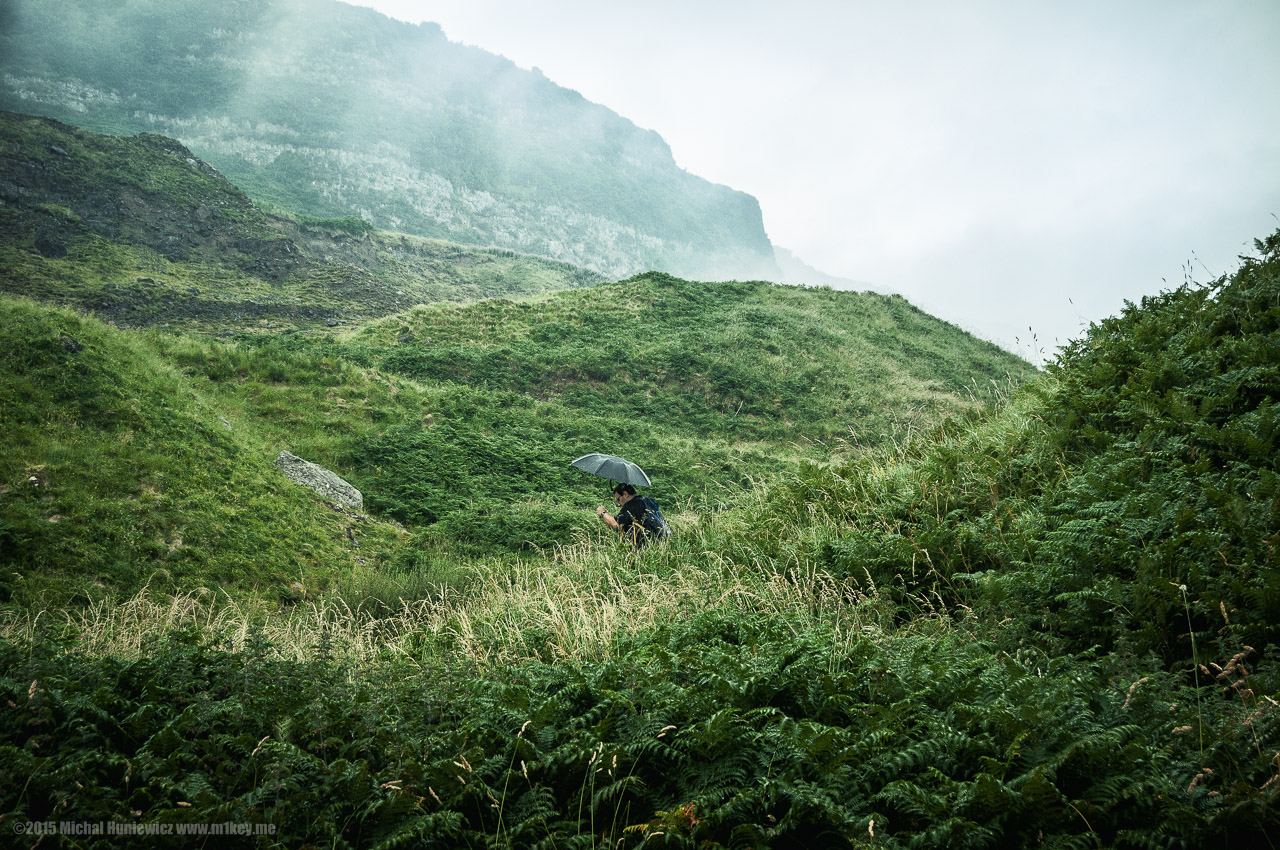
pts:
pixel 140 231
pixel 456 421
pixel 459 422
pixel 327 109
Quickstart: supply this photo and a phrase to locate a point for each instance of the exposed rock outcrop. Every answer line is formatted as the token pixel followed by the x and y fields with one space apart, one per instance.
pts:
pixel 324 482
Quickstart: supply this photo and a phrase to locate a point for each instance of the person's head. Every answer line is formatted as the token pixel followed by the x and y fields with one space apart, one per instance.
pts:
pixel 622 493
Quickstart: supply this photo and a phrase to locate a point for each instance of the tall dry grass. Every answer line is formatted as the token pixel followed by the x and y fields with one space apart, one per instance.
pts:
pixel 585 601
pixel 580 602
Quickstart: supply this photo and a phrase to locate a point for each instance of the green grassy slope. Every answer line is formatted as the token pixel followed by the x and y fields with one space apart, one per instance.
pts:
pixel 751 361
pixel 465 442
pixel 116 474
pixel 469 433
pixel 469 442
pixel 707 386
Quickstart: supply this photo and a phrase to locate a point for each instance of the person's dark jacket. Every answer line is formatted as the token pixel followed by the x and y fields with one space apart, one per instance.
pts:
pixel 631 520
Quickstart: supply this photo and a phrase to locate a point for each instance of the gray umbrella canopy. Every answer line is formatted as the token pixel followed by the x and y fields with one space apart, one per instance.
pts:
pixel 614 468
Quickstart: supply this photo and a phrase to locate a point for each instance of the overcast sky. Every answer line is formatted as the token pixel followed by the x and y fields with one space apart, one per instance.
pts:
pixel 1018 168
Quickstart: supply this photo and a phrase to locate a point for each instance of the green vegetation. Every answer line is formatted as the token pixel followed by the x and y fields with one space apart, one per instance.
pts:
pixel 464 442
pixel 709 384
pixel 116 475
pixel 721 731
pixel 915 596
pixel 456 420
pixel 1051 622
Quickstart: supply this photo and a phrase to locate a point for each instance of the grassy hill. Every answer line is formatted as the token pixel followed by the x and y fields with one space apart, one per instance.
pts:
pixel 706 385
pixel 116 474
pixel 456 420
pixel 1049 623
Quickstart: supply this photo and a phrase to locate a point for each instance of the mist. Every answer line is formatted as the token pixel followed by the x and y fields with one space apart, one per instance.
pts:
pixel 1019 171
pixel 325 109
pixel 1005 166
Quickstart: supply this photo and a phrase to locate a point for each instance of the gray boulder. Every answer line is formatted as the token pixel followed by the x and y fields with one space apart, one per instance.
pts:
pixel 319 479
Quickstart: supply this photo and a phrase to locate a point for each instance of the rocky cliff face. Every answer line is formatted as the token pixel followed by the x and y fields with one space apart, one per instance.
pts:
pixel 327 109
pixel 141 232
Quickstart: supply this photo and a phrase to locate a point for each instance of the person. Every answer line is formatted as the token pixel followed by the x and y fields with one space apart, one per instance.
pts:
pixel 630 518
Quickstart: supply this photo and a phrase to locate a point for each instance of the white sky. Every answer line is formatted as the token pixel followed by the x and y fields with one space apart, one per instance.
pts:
pixel 1016 167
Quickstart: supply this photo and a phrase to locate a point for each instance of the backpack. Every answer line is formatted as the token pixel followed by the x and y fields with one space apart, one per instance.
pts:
pixel 654 522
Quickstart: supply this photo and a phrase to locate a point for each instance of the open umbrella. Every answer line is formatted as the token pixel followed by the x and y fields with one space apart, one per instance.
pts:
pixel 614 468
